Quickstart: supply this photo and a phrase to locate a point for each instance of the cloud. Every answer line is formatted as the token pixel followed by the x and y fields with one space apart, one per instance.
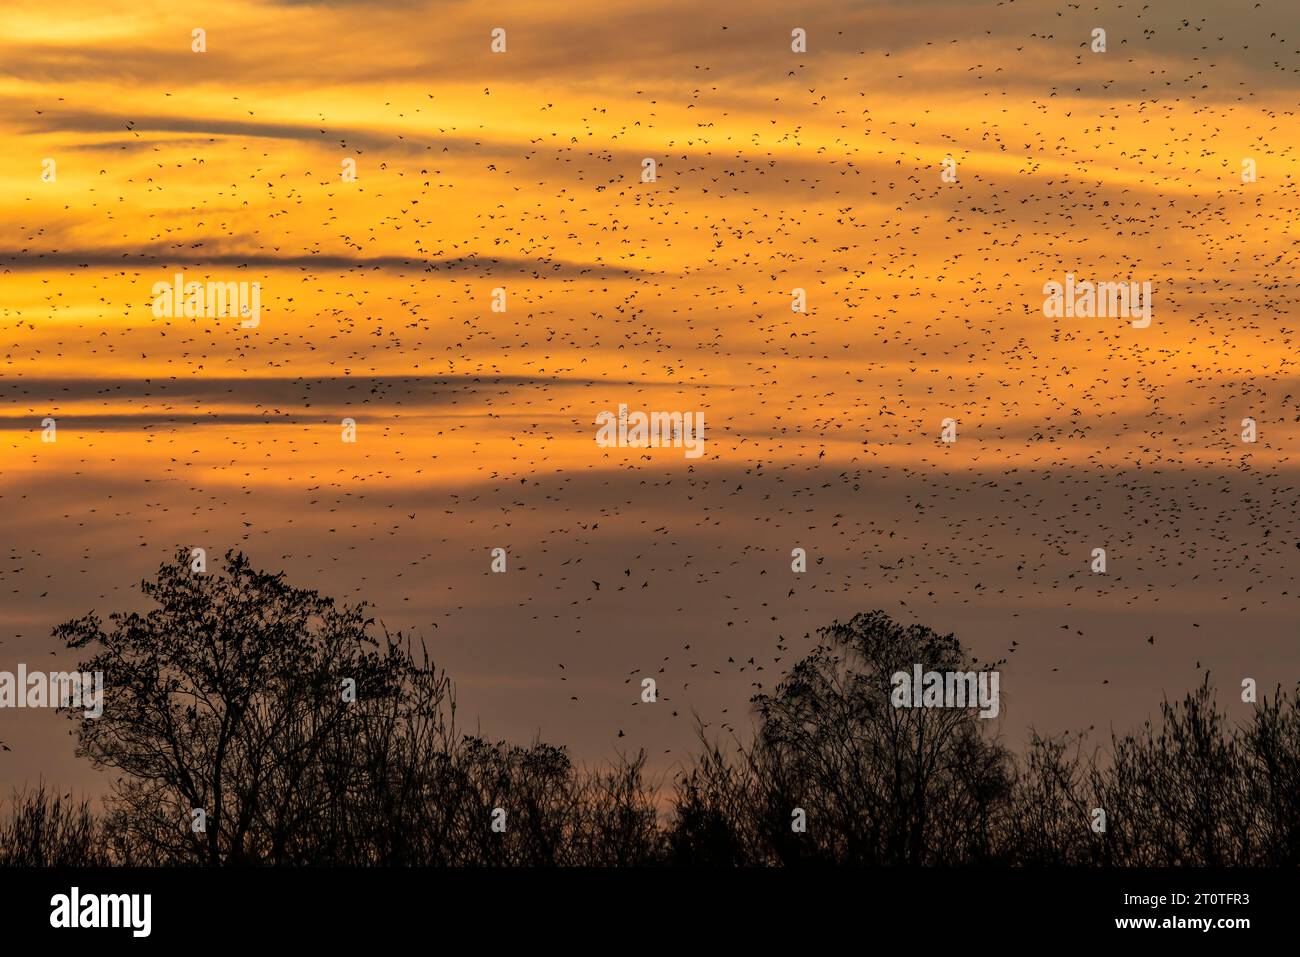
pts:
pixel 276 391
pixel 28 260
pixel 95 121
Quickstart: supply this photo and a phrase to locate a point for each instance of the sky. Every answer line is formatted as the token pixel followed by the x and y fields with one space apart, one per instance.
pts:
pixel 775 170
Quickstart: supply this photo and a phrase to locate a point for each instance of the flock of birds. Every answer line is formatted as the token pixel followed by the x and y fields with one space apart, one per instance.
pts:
pixel 475 427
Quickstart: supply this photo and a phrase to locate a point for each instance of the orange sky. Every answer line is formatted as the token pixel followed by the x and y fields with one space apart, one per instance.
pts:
pixel 775 170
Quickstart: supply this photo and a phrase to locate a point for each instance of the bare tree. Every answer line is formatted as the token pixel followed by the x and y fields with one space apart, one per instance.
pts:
pixel 221 700
pixel 877 784
pixel 305 739
pixel 1050 817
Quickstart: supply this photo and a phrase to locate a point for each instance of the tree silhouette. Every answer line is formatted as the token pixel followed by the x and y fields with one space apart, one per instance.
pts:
pixel 233 694
pixel 1196 792
pixel 878 784
pixel 227 698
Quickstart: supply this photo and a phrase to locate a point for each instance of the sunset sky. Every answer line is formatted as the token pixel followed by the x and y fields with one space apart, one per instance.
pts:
pixel 775 170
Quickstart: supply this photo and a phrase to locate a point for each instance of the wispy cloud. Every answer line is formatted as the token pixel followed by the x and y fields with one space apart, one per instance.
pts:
pixel 29 260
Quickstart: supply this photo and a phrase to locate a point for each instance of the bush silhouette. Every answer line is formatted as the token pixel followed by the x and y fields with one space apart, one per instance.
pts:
pixel 49 830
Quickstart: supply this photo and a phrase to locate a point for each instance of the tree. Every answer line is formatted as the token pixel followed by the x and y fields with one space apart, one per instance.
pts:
pixel 225 699
pixel 878 784
pixel 306 739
